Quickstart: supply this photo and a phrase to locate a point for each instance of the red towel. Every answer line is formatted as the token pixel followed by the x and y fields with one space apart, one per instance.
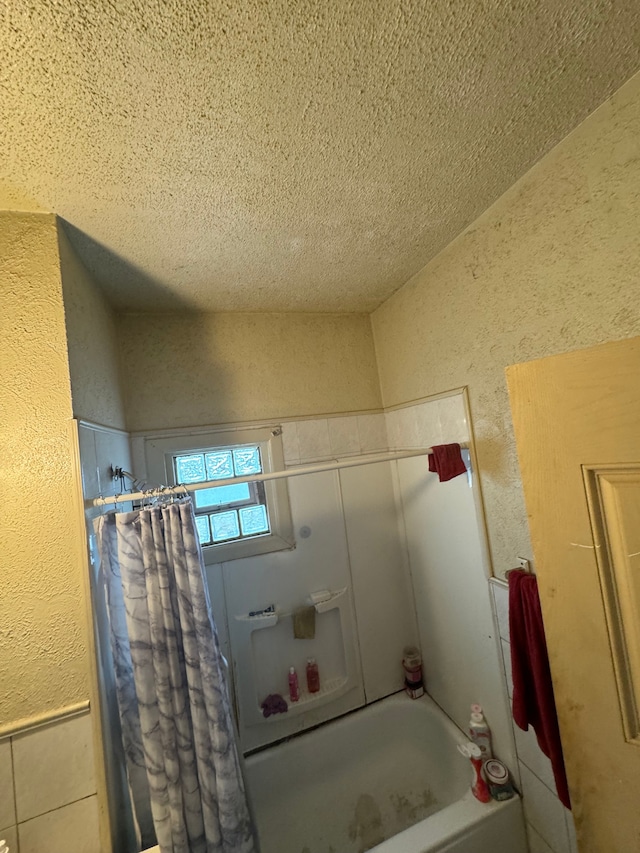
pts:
pixel 533 702
pixel 446 461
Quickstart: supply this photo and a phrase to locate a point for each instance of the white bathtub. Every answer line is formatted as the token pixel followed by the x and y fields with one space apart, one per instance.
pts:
pixel 386 778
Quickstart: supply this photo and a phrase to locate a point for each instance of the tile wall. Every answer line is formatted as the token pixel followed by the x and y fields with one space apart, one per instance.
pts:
pixel 319 439
pixel 48 798
pixel 422 425
pixel 550 826
pixel 438 421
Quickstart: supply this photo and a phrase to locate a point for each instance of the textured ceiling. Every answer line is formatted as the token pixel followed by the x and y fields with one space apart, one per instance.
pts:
pixel 274 155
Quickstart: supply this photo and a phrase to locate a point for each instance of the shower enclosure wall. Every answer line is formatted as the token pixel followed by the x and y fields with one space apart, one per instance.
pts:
pixel 401 555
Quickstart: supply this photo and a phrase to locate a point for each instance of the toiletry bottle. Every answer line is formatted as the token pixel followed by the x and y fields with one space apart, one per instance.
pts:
pixel 412 664
pixel 479 786
pixel 294 690
pixel 313 676
pixel 479 732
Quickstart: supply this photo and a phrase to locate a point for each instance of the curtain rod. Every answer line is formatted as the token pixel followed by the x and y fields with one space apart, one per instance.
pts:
pixel 260 478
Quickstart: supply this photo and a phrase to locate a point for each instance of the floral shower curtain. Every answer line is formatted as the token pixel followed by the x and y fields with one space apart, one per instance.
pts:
pixel 172 693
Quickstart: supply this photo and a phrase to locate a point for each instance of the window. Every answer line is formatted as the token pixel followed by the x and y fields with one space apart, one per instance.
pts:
pixel 234 511
pixel 236 519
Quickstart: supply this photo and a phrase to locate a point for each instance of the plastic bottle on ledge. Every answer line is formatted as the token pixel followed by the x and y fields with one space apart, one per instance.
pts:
pixel 294 688
pixel 479 732
pixel 412 664
pixel 479 786
pixel 313 676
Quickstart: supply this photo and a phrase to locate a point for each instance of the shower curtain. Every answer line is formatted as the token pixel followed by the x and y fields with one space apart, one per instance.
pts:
pixel 177 729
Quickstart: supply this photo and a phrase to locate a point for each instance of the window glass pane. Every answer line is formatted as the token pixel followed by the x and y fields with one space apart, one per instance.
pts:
pixel 253 520
pixel 219 465
pixel 202 525
pixel 246 461
pixel 225 526
pixel 222 495
pixel 190 469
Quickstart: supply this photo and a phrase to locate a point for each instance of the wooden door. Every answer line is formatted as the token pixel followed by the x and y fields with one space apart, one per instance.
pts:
pixel 577 424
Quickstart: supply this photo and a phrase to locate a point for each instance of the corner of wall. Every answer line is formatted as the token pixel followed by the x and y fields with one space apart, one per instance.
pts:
pixel 94 366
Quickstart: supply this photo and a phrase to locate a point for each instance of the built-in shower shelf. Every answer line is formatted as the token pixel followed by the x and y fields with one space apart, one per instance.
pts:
pixel 255 623
pixel 268 620
pixel 265 648
pixel 329 690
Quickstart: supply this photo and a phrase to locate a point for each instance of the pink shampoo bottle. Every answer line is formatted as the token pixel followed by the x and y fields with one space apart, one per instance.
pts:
pixel 294 689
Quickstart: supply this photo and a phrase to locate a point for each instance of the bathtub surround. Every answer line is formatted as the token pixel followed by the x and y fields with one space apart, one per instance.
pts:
pixel 348 543
pixel 468 642
pixel 444 529
pixel 48 797
pixel 435 549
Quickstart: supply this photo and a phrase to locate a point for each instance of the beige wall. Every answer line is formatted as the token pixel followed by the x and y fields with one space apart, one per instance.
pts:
pixel 13 198
pixel 91 343
pixel 196 369
pixel 554 265
pixel 43 642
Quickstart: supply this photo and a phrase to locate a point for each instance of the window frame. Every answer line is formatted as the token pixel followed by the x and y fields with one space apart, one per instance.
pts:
pixel 160 452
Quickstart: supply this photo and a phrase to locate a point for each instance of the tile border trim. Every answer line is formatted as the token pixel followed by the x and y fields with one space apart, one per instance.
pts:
pixel 38 721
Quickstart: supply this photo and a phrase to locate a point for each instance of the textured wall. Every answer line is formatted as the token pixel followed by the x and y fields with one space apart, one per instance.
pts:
pixel 91 343
pixel 552 266
pixel 190 369
pixel 15 198
pixel 43 655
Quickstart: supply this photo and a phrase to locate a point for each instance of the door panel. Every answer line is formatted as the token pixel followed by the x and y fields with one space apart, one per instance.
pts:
pixel 614 505
pixel 577 424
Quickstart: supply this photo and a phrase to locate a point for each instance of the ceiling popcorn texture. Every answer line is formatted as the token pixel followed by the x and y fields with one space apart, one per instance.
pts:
pixel 266 155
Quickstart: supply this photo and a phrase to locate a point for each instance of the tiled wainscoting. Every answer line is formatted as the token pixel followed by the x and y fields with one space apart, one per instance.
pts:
pixel 48 796
pixel 550 826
